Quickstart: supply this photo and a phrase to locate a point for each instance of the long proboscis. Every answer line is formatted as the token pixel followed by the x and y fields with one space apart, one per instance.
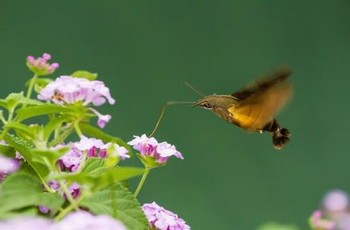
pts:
pixel 163 110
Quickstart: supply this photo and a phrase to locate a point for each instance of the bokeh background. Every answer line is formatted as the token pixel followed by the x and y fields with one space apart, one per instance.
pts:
pixel 145 51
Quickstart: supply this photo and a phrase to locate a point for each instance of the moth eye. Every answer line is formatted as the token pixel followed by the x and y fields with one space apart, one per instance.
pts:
pixel 207 106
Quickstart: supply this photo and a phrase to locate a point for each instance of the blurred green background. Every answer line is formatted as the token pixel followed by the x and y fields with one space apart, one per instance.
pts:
pixel 145 51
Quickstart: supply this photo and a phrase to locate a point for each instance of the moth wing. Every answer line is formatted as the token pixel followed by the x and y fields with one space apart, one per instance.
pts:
pixel 259 108
pixel 263 84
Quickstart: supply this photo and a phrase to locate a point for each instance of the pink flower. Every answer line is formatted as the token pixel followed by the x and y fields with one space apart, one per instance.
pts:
pixel 82 220
pixel 25 223
pixel 161 219
pixel 336 201
pixel 74 190
pixel 40 66
pixel 318 222
pixel 88 143
pixel 149 147
pixel 71 160
pixel 54 185
pixel 94 148
pixel 43 209
pixel 79 220
pixel 7 166
pixel 114 150
pixel 103 120
pixel 70 90
pixel 144 144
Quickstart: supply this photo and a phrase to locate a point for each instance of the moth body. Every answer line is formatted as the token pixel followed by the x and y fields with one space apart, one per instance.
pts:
pixel 254 107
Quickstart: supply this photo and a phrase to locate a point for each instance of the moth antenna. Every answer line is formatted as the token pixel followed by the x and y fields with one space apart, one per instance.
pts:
pixel 163 110
pixel 194 89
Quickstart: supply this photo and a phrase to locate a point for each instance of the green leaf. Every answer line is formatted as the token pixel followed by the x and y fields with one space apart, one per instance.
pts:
pixel 19 191
pixel 7 151
pixel 25 149
pixel 94 166
pixel 103 179
pixel 84 74
pixel 113 175
pixel 14 99
pixel 51 200
pixel 44 109
pixel 20 213
pixel 52 125
pixel 22 129
pixel 48 155
pixel 92 131
pixel 40 83
pixel 120 203
pixel 3 103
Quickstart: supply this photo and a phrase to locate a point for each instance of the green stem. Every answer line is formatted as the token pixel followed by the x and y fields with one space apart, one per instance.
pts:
pixel 61 137
pixel 142 181
pixel 47 187
pixel 6 129
pixel 82 162
pixel 69 208
pixel 31 86
pixel 73 202
pixel 77 129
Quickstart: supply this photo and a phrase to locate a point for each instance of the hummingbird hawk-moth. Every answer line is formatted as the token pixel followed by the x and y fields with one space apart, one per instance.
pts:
pixel 254 107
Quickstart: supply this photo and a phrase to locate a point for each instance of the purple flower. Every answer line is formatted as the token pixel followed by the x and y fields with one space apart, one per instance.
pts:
pixel 25 223
pixel 94 148
pixel 7 166
pixel 71 160
pixel 40 66
pixel 116 151
pixel 74 189
pixel 317 221
pixel 102 120
pixel 88 143
pixel 161 219
pixel 150 148
pixel 54 185
pixel 79 220
pixel 44 209
pixel 69 90
pixel 336 201
pixel 82 220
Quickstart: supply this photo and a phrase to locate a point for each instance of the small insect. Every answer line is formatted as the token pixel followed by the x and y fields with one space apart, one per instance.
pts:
pixel 254 107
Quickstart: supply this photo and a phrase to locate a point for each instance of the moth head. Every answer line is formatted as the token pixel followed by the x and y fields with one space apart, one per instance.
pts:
pixel 214 102
pixel 205 104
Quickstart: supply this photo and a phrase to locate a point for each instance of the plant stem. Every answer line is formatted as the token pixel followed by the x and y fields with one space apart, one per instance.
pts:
pixel 31 86
pixel 82 162
pixel 69 208
pixel 142 181
pixel 77 129
pixel 73 202
pixel 61 137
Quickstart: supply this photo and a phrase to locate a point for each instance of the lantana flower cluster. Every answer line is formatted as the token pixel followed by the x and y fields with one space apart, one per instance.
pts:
pixel 334 213
pixel 40 66
pixel 161 219
pixel 92 148
pixel 79 220
pixel 72 90
pixel 68 160
pixel 151 150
